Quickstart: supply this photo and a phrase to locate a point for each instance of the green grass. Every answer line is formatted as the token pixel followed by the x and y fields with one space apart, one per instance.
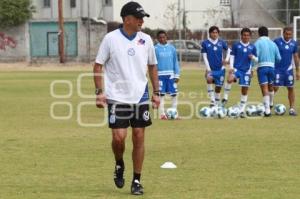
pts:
pixel 217 159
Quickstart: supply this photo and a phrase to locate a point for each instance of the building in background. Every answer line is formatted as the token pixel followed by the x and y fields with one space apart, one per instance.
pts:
pixel 84 27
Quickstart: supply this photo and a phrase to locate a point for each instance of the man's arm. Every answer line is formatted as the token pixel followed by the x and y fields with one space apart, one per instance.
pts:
pixel 296 60
pixel 155 85
pixel 98 80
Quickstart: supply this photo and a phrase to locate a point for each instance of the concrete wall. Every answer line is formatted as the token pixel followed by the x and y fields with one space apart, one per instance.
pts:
pixel 14 44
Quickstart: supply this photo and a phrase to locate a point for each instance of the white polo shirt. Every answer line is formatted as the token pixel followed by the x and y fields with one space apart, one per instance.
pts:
pixel 125 65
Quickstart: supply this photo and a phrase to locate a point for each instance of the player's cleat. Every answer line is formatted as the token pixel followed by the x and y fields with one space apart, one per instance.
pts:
pixel 271 106
pixel 243 115
pixel 267 114
pixel 118 176
pixel 292 112
pixel 224 102
pixel 163 117
pixel 137 188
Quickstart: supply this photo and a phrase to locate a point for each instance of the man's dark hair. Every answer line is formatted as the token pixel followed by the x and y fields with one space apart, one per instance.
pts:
pixel 263 31
pixel 213 28
pixel 161 32
pixel 286 29
pixel 246 30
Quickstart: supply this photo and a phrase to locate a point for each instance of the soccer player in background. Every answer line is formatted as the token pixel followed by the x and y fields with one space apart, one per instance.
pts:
pixel 126 54
pixel 268 54
pixel 241 56
pixel 212 51
pixel 168 71
pixel 284 74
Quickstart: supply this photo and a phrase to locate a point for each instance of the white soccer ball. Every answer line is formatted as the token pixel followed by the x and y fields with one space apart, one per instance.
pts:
pixel 221 112
pixel 251 110
pixel 205 112
pixel 233 112
pixel 260 110
pixel 172 113
pixel 279 109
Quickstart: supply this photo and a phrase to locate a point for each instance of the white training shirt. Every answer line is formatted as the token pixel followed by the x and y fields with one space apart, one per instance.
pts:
pixel 125 65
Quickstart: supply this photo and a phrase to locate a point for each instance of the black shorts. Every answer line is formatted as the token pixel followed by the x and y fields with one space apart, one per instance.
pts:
pixel 125 115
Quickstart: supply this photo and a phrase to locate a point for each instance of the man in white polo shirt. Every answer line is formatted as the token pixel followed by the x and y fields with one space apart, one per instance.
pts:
pixel 124 56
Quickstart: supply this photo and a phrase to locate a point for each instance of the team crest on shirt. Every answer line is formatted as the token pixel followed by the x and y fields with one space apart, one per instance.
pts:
pixel 141 42
pixel 287 46
pixel 245 50
pixel 215 48
pixel 131 52
pixel 146 115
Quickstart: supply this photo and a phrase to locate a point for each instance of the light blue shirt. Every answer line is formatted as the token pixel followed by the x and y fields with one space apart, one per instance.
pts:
pixel 167 62
pixel 267 52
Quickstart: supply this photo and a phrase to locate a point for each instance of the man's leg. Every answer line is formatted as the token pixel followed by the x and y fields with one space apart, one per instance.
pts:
pixel 118 147
pixel 271 94
pixel 291 96
pixel 138 135
pixel 162 107
pixel 266 98
pixel 210 90
pixel 244 98
pixel 218 94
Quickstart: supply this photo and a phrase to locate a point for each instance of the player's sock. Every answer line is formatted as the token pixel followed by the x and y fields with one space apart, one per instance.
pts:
pixel 211 93
pixel 217 98
pixel 162 105
pixel 244 99
pixel 174 102
pixel 136 176
pixel 271 94
pixel 120 162
pixel 227 89
pixel 267 104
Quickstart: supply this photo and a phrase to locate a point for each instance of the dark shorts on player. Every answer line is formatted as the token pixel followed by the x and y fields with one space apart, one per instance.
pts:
pixel 284 78
pixel 125 115
pixel 244 78
pixel 167 85
pixel 218 76
pixel 266 75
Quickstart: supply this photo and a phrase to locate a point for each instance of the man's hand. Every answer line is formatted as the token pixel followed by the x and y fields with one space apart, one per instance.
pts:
pixel 225 62
pixel 176 80
pixel 155 101
pixel 101 100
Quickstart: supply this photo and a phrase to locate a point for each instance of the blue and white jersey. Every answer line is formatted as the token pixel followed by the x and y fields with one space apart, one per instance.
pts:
pixel 167 63
pixel 267 52
pixel 287 49
pixel 240 52
pixel 214 52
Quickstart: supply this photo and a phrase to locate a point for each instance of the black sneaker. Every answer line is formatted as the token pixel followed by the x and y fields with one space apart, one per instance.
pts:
pixel 243 115
pixel 118 177
pixel 267 114
pixel 224 102
pixel 137 188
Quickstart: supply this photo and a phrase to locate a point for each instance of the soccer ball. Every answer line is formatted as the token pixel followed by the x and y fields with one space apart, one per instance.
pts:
pixel 251 110
pixel 260 110
pixel 172 113
pixel 205 112
pixel 279 109
pixel 221 112
pixel 233 112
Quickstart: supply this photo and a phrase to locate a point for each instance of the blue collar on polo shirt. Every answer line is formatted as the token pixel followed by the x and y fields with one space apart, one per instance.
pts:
pixel 126 35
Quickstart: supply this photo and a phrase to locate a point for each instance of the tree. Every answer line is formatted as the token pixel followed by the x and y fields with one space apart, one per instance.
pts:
pixel 15 12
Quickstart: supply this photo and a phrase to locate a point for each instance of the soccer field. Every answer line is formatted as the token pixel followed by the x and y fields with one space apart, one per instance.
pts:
pixel 62 156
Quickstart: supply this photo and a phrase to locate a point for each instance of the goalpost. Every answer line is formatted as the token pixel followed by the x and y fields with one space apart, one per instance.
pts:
pixel 295 27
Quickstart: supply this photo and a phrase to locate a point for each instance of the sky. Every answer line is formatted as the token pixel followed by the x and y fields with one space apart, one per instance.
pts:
pixel 157 9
